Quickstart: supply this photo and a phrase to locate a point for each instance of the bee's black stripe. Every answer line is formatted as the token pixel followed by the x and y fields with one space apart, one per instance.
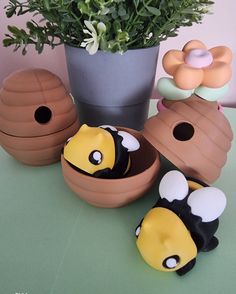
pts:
pixel 121 159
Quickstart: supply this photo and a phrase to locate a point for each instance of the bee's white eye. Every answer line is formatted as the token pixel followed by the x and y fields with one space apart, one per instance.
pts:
pixel 171 261
pixel 137 232
pixel 95 157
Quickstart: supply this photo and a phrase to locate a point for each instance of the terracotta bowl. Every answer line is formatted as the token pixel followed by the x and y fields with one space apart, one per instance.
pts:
pixel 110 193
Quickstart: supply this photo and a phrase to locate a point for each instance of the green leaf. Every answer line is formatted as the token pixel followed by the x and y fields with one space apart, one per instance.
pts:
pixel 121 11
pixel 144 13
pixel 125 17
pixel 24 51
pixel 105 11
pixel 116 25
pixel 8 42
pixel 83 8
pixel 29 25
pixel 13 29
pixel 47 5
pixel 11 11
pixel 114 15
pixel 39 47
pixel 153 10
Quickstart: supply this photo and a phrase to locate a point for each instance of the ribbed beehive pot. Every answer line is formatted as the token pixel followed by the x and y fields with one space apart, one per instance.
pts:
pixel 194 136
pixel 37 115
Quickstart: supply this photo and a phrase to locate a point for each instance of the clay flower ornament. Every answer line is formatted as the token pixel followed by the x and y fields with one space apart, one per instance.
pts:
pixel 195 65
pixel 91 44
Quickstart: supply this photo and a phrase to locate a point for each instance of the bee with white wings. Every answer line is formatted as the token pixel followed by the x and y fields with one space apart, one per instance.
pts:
pixel 102 152
pixel 182 223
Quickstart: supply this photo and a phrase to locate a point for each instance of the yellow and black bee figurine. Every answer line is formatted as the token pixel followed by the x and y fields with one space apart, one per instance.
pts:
pixel 182 223
pixel 103 152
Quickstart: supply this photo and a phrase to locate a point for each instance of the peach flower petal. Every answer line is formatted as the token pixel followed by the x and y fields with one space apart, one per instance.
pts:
pixel 187 77
pixel 194 44
pixel 172 60
pixel 217 75
pixel 222 53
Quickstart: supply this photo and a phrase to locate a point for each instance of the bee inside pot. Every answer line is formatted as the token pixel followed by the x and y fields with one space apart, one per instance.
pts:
pixel 109 167
pixel 102 152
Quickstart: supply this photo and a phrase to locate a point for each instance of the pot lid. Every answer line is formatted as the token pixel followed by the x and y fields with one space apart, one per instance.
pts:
pixel 194 136
pixel 31 80
pixel 33 103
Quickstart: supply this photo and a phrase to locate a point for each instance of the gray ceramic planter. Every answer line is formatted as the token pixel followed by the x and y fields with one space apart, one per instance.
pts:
pixel 111 88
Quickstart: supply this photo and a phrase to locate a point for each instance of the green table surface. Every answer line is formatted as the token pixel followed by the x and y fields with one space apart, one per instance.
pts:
pixel 54 243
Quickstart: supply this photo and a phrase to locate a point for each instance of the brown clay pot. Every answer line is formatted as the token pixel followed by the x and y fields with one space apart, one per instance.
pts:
pixel 37 116
pixel 194 136
pixel 110 193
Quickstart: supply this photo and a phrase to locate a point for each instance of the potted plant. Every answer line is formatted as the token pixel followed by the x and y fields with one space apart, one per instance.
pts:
pixel 109 88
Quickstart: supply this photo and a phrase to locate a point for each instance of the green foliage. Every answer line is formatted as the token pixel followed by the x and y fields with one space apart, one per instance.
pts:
pixel 129 23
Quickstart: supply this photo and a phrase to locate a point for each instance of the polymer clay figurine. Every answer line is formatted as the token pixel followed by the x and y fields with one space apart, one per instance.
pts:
pixel 195 65
pixel 196 70
pixel 103 152
pixel 182 223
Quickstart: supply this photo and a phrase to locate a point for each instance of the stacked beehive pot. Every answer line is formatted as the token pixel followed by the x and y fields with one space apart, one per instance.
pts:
pixel 190 129
pixel 37 116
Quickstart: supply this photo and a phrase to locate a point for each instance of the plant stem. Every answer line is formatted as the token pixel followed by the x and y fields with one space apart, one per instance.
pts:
pixel 138 15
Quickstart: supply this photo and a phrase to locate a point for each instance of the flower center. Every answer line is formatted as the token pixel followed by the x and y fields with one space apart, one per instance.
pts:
pixel 199 58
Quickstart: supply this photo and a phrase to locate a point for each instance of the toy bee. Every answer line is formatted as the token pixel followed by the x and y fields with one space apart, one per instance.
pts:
pixel 182 223
pixel 103 152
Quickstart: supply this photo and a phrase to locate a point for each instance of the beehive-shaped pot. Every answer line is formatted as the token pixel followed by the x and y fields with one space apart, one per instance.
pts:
pixel 193 136
pixel 109 193
pixel 37 116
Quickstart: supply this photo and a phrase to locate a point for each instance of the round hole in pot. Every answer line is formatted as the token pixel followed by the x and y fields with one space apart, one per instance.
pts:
pixel 43 114
pixel 183 131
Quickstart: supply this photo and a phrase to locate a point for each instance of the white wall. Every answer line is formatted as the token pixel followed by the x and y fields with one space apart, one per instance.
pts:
pixel 217 29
